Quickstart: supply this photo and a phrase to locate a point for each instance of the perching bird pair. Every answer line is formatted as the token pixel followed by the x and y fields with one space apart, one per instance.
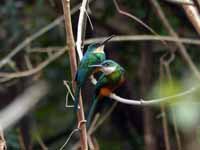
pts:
pixel 94 60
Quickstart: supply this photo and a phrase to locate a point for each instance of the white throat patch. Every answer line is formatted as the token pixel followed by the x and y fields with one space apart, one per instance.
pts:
pixel 99 49
pixel 108 70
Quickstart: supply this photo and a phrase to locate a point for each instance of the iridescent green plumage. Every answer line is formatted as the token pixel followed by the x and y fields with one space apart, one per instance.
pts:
pixel 112 78
pixel 94 55
pixel 91 57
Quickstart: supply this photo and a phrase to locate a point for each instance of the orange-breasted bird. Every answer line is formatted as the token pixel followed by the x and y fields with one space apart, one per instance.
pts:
pixel 94 55
pixel 111 79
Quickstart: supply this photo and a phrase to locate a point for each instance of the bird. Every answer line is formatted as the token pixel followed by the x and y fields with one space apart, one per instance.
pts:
pixel 109 81
pixel 94 54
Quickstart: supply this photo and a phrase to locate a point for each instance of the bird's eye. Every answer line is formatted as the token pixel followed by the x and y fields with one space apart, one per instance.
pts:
pixel 98 44
pixel 106 64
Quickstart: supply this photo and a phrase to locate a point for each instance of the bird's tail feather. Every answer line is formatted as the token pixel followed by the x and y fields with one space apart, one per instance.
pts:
pixel 76 98
pixel 91 111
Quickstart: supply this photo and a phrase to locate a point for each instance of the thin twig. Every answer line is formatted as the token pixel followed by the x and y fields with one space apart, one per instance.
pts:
pixel 90 143
pixel 71 94
pixel 177 135
pixel 69 89
pixel 104 117
pixel 115 39
pixel 37 135
pixel 165 127
pixel 9 76
pixel 137 20
pixel 145 38
pixel 180 2
pixel 80 28
pixel 44 49
pixel 133 17
pixel 34 36
pixel 152 102
pixel 28 61
pixel 69 137
pixel 34 70
pixel 41 143
pixel 162 106
pixel 181 49
pixel 93 124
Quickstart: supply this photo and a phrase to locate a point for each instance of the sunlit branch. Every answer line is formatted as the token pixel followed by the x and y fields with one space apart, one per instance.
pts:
pixel 152 102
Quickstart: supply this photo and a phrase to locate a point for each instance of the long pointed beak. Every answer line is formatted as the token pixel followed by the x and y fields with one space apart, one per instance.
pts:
pixel 95 66
pixel 107 40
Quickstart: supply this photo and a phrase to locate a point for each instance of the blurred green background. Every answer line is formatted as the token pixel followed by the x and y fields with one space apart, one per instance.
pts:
pixel 128 127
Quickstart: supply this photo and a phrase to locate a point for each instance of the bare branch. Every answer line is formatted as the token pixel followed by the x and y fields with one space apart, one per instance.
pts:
pixel 153 102
pixel 145 38
pixel 102 119
pixel 34 36
pixel 44 49
pixel 134 18
pixel 73 63
pixel 181 49
pixel 34 70
pixel 180 2
pixel 80 28
pixel 28 61
pixel 69 137
pixel 193 14
pixel 61 51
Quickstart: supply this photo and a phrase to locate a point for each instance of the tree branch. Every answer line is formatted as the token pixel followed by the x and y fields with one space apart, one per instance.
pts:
pixel 80 28
pixel 145 38
pixel 152 102
pixel 34 36
pixel 181 49
pixel 192 13
pixel 6 76
pixel 73 63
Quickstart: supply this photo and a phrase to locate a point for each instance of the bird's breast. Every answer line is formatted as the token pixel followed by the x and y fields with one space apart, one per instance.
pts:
pixel 105 91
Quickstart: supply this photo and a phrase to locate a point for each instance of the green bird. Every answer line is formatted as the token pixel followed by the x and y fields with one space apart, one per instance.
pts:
pixel 93 55
pixel 111 79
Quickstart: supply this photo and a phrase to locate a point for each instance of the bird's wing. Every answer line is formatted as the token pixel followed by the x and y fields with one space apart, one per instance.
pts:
pixel 84 70
pixel 102 82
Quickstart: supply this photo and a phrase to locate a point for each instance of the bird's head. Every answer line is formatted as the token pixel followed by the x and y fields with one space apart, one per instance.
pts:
pixel 99 47
pixel 107 66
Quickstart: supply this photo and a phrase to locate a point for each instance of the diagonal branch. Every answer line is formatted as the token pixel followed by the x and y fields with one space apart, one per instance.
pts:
pixel 181 48
pixel 29 72
pixel 60 51
pixel 134 18
pixel 192 13
pixel 34 36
